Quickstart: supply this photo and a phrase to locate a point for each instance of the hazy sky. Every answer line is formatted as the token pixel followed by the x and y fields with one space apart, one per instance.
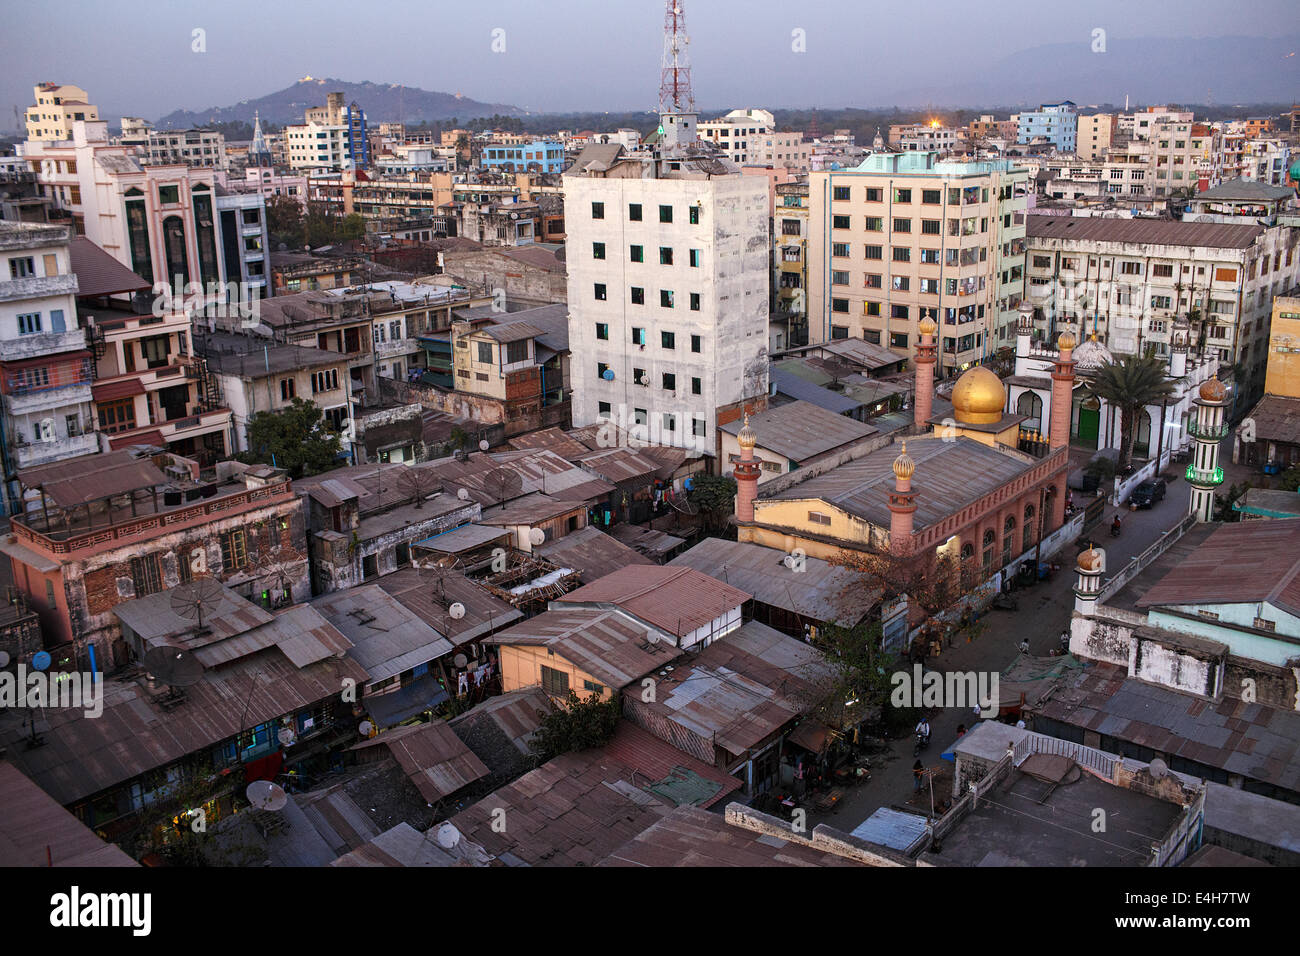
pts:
pixel 135 58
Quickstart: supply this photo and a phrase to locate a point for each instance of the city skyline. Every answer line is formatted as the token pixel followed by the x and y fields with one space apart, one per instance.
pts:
pixel 817 56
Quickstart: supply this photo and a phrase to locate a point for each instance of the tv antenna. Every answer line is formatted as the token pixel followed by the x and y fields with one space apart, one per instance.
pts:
pixel 191 601
pixel 503 484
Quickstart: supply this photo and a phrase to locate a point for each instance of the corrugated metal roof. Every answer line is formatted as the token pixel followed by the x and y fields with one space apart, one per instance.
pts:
pixel 432 756
pixel 387 638
pixel 1260 743
pixel 949 475
pixel 77 481
pixel 892 828
pixel 590 552
pixel 36 831
pixel 84 755
pixel 1147 232
pixel 98 273
pixel 1277 418
pixel 465 538
pixel 1240 563
pixel 741 690
pixel 819 590
pixel 797 388
pixel 676 600
pixel 692 837
pixel 517 715
pixel 801 430
pixel 608 645
pixel 428 595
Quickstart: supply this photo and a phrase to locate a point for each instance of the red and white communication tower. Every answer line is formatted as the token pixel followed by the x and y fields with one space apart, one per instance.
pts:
pixel 675 94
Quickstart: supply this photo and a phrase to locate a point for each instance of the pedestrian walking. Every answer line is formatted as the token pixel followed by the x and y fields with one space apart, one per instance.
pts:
pixel 918 773
pixel 1024 646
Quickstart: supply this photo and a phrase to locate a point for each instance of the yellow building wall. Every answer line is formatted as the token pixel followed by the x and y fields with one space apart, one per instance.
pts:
pixel 1282 376
pixel 1008 436
pixel 853 531
pixel 521 666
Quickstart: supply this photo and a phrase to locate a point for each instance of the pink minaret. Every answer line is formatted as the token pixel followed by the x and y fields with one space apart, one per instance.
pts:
pixel 902 505
pixel 1062 392
pixel 746 474
pixel 926 356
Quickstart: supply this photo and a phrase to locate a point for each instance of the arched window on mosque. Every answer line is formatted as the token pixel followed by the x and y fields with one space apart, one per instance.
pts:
pixel 989 539
pixel 1031 527
pixel 1008 539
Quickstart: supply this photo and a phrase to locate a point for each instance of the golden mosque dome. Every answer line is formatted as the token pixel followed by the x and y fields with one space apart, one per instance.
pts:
pixel 903 464
pixel 1066 341
pixel 746 438
pixel 1213 390
pixel 979 397
pixel 1090 560
pixel 928 326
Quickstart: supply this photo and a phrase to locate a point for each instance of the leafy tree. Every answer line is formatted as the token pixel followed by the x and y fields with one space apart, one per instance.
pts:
pixel 295 438
pixel 860 683
pixel 1131 384
pixel 284 220
pixel 1290 479
pixel 715 496
pixel 578 724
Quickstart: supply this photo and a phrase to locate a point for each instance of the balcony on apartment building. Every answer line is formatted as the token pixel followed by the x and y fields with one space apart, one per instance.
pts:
pixel 38 385
pixel 116 498
pixel 37 287
pixel 28 451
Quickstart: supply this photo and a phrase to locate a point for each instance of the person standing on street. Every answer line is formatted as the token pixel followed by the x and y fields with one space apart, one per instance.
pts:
pixel 918 773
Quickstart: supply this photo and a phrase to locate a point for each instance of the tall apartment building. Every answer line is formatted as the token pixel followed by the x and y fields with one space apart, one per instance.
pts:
pixel 544 155
pixel 740 135
pixel 1095 134
pixel 1127 281
pixel 45 367
pixel 924 137
pixel 1184 158
pixel 161 222
pixel 1142 123
pixel 790 266
pixel 191 147
pixel 667 287
pixel 330 137
pixel 1058 122
pixel 907 236
pixel 57 107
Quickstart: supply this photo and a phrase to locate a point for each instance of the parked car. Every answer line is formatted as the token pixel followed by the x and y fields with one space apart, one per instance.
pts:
pixel 1148 493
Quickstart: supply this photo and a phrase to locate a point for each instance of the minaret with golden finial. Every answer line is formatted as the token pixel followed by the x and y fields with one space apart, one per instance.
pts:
pixel 927 353
pixel 746 474
pixel 902 505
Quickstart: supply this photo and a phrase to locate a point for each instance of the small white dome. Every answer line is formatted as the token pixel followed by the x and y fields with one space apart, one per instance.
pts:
pixel 1091 355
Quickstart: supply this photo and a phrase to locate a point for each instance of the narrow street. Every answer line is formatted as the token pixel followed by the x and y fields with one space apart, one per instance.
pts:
pixel 1044 611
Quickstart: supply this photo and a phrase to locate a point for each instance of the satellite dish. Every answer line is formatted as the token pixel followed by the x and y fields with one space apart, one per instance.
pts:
pixel 4 658
pixel 536 536
pixel 483 445
pixel 41 660
pixel 286 736
pixel 1158 768
pixel 457 611
pixel 173 665
pixel 191 601
pixel 365 728
pixel 460 660
pixel 462 494
pixel 788 561
pixel 448 836
pixel 608 375
pixel 265 795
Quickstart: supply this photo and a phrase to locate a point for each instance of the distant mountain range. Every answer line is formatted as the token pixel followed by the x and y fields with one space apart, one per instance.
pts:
pixel 382 103
pixel 1214 70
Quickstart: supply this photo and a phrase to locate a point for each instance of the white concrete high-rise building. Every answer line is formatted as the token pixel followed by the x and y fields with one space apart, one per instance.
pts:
pixel 667 286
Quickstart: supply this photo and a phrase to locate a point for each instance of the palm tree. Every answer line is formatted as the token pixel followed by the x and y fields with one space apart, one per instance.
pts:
pixel 1131 384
